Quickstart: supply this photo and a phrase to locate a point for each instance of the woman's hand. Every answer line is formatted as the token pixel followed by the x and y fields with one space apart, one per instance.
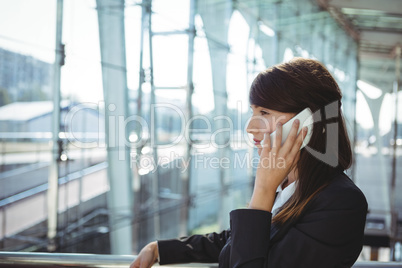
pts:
pixel 276 162
pixel 147 256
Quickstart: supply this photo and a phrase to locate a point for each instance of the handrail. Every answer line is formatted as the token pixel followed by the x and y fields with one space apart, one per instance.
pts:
pixel 376 264
pixel 45 136
pixel 36 259
pixel 30 259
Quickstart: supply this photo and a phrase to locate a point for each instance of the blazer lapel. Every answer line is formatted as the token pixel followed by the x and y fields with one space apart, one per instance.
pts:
pixel 274 227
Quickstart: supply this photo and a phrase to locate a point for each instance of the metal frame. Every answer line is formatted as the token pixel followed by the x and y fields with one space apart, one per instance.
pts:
pixel 20 259
pixel 52 193
pixel 120 195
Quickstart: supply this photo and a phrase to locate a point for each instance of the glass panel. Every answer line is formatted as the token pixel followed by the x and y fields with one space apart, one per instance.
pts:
pixel 175 191
pixel 170 63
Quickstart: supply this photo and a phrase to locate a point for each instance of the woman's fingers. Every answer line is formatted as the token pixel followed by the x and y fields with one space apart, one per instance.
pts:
pixel 135 263
pixel 299 141
pixel 291 146
pixel 147 256
pixel 290 140
pixel 278 137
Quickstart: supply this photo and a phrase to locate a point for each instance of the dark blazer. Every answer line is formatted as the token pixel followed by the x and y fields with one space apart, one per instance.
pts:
pixel 328 234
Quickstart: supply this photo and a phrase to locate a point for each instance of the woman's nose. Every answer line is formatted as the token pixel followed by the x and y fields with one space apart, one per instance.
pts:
pixel 255 125
pixel 250 126
pixel 249 129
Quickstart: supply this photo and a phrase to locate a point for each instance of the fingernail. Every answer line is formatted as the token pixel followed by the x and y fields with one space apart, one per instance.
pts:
pixel 297 121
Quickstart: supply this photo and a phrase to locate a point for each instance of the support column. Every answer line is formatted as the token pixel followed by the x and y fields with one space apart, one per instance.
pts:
pixel 394 150
pixel 327 47
pixel 114 76
pixel 154 125
pixel 186 176
pixel 53 181
pixel 384 191
pixel 354 77
pixel 216 17
pixel 136 167
pixel 277 56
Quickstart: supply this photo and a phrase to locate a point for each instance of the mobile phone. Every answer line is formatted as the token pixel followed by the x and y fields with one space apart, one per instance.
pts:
pixel 306 120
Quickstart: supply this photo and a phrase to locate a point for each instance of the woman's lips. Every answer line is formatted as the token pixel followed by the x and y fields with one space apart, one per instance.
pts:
pixel 257 142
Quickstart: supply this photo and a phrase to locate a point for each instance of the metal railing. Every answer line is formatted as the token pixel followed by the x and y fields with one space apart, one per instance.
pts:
pixel 30 259
pixel 44 187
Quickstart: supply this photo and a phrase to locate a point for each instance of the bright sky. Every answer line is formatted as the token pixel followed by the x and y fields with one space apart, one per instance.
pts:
pixel 28 27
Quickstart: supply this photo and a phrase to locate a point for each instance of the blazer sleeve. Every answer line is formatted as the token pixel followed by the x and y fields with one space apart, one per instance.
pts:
pixel 195 248
pixel 250 237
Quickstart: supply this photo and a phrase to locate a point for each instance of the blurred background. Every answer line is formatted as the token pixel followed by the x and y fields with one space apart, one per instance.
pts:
pixel 122 122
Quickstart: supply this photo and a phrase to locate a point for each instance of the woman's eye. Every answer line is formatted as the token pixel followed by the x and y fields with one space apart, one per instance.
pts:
pixel 264 112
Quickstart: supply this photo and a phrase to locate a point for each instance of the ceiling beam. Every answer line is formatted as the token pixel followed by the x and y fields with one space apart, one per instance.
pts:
pixel 389 6
pixel 374 55
pixel 340 18
pixel 388 39
pixel 386 74
pixel 380 65
pixel 378 77
pixel 381 29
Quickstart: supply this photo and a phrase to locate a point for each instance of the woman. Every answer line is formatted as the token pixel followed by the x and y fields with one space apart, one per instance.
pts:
pixel 305 212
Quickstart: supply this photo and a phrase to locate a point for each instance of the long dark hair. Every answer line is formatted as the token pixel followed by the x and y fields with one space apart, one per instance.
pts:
pixel 291 87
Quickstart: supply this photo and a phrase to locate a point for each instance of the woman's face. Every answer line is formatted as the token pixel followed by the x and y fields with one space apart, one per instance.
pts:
pixel 264 121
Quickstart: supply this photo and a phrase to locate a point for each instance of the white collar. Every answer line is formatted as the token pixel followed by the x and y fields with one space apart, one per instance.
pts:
pixel 282 196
